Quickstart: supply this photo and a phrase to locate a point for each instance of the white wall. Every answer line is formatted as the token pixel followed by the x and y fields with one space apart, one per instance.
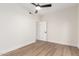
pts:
pixel 17 28
pixel 62 26
pixel 78 27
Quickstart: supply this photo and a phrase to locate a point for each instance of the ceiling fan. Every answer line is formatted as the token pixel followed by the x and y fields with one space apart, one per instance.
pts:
pixel 38 6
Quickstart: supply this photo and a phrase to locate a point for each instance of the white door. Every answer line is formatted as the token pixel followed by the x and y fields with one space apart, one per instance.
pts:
pixel 43 30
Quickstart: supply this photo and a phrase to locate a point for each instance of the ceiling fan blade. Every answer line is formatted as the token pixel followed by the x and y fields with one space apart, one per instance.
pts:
pixel 34 4
pixel 47 5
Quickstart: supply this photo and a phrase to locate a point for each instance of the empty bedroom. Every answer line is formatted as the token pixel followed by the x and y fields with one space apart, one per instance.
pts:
pixel 39 29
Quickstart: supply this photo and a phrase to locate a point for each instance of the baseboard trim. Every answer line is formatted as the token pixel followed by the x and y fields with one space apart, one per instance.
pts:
pixel 17 47
pixel 63 43
pixel 60 43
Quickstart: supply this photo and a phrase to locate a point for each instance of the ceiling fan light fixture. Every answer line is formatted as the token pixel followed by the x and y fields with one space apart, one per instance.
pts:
pixel 38 8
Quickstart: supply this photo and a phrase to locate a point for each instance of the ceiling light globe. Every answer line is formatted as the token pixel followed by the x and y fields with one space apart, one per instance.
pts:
pixel 38 8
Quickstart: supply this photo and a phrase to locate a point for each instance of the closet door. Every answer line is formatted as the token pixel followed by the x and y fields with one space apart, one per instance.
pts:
pixel 43 31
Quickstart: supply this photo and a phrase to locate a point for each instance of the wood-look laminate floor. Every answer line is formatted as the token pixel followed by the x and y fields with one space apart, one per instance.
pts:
pixel 41 48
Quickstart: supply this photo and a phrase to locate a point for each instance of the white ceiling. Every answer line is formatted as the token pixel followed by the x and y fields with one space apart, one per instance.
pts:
pixel 55 7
